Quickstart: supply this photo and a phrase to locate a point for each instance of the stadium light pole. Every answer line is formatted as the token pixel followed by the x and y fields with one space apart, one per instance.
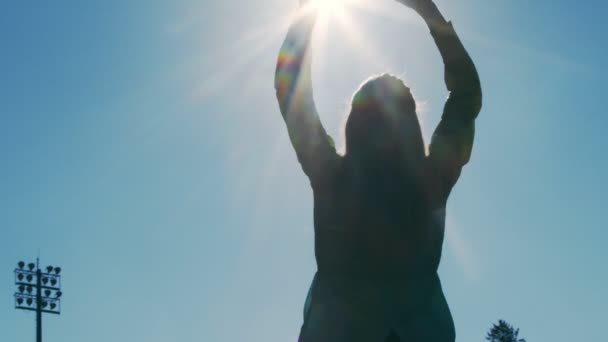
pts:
pixel 47 287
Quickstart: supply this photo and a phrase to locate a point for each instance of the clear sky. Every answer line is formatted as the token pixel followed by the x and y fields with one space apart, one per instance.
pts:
pixel 142 150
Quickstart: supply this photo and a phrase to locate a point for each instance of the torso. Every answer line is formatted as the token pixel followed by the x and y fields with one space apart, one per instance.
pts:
pixel 385 224
pixel 378 244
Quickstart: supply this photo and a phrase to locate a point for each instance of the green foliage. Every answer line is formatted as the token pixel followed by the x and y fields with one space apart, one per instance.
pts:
pixel 503 332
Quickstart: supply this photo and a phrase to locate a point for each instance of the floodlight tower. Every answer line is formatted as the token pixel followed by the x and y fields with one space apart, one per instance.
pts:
pixel 47 285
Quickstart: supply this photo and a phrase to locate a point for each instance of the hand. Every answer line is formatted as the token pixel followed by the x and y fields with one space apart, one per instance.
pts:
pixel 427 10
pixel 416 5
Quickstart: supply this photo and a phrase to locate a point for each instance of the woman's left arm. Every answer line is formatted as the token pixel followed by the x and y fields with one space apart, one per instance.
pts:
pixel 452 141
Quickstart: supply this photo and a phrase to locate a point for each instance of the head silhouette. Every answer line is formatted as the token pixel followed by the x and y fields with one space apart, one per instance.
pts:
pixel 383 123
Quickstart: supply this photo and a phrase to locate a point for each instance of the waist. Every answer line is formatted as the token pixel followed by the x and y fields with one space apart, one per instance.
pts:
pixel 380 253
pixel 402 266
pixel 378 277
pixel 397 295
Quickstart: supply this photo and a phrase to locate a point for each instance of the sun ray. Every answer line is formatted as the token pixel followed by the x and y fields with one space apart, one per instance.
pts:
pixel 360 42
pixel 330 7
pixel 380 9
pixel 236 59
pixel 255 42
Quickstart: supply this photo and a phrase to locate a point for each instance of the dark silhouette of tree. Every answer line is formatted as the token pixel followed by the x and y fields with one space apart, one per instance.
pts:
pixel 503 332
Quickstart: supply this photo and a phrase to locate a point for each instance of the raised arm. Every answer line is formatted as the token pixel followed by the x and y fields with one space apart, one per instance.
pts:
pixel 452 141
pixel 314 148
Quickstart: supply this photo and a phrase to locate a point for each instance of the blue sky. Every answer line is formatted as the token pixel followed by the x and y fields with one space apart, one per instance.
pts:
pixel 143 151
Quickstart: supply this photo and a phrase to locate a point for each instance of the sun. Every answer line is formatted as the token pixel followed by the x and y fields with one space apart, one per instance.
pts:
pixel 330 7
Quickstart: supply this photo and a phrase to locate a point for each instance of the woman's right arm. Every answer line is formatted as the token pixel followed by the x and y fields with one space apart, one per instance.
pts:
pixel 293 84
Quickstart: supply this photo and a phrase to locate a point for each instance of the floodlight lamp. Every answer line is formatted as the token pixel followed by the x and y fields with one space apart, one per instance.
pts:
pixel 19 300
pixel 53 306
pixel 49 269
pixel 53 281
pixel 29 277
pixel 44 304
pixel 29 301
pixel 20 276
pixel 58 294
pixel 45 280
pixel 47 293
pixel 31 266
pixel 21 288
pixel 57 270
pixel 21 264
pixel 29 289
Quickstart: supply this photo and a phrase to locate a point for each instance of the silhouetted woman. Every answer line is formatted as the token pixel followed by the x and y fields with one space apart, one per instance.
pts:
pixel 379 210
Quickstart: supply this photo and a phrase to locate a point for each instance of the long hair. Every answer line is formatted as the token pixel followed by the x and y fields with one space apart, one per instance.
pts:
pixel 383 113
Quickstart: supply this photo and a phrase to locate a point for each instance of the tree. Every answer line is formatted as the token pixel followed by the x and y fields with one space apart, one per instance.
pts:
pixel 503 332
